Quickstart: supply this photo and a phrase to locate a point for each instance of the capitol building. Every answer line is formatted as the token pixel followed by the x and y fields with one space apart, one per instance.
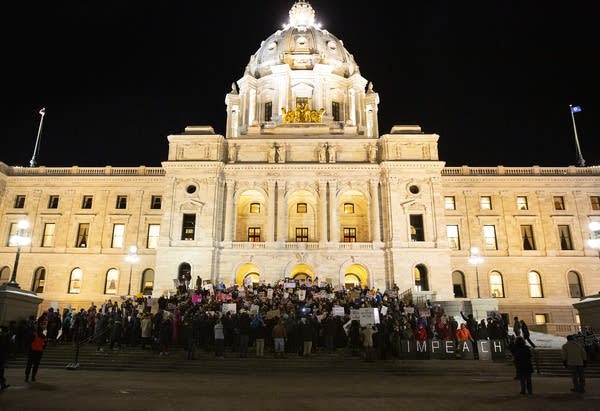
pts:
pixel 304 185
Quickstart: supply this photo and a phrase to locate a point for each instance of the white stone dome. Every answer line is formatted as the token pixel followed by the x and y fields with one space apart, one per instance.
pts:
pixel 302 45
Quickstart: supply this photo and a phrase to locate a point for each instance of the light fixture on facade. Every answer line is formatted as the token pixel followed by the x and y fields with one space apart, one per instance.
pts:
pixel 475 258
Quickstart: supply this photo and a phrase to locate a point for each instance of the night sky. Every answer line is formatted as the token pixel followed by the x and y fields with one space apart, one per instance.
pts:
pixel 494 78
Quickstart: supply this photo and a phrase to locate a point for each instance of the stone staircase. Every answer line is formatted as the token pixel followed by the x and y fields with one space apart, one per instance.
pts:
pixel 135 359
pixel 549 362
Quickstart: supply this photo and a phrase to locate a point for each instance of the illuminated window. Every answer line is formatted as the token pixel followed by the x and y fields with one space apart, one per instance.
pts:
pixel 188 229
pixel 348 208
pixel 458 284
pixel 421 281
pixel 53 202
pixel 564 236
pixel 118 235
pixel 575 290
pixel 153 235
pixel 595 202
pixel 255 208
pixel 349 234
pixel 39 280
pixel 82 235
pixel 489 237
pixel 541 319
pixel 535 285
pixel 522 203
pixel 527 237
pixel 449 203
pixel 75 281
pixel 301 234
pixel 301 208
pixel 559 202
pixel 496 285
pixel 453 237
pixel 112 281
pixel 485 202
pixel 48 238
pixel 254 234
pixel 147 282
pixel 416 227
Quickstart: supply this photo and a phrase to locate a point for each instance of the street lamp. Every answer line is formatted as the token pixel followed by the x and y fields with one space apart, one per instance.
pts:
pixel 131 258
pixel 20 238
pixel 594 240
pixel 475 258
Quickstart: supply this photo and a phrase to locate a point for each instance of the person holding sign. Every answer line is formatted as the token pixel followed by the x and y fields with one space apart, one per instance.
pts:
pixel 279 335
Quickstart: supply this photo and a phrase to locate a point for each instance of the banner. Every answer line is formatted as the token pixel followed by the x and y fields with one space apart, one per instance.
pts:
pixel 450 350
pixel 338 311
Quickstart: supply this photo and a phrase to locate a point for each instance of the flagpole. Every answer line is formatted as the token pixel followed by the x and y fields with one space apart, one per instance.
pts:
pixel 32 162
pixel 579 156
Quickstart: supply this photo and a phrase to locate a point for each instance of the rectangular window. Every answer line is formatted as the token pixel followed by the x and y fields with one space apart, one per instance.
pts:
pixel 156 202
pixel 349 234
pixel 453 238
pixel 82 235
pixel 449 203
pixel 118 235
pixel 489 237
pixel 335 111
pixel 53 202
pixel 416 228
pixel 268 111
pixel 87 202
pixel 301 208
pixel 253 234
pixel 522 203
pixel 485 202
pixel 302 234
pixel 348 208
pixel 595 202
pixel 19 201
pixel 527 237
pixel 153 235
pixel 48 238
pixel 254 208
pixel 188 227
pixel 541 319
pixel 559 202
pixel 564 236
pixel 121 202
pixel 301 101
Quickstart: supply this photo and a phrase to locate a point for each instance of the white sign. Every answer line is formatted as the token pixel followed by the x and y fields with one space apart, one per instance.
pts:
pixel 301 295
pixel 409 310
pixel 254 308
pixel 338 311
pixel 290 284
pixel 354 314
pixel 369 316
pixel 384 310
pixel 229 308
pixel 270 293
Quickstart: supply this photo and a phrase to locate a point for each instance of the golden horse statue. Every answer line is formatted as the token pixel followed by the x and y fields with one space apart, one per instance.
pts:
pixel 302 114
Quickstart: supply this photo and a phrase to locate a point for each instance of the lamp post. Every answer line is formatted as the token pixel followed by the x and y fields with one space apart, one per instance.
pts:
pixel 20 238
pixel 131 258
pixel 475 258
pixel 594 241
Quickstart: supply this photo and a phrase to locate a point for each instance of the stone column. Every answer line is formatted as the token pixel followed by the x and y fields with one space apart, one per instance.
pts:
pixel 272 212
pixel 334 230
pixel 323 211
pixel 375 217
pixel 229 211
pixel 282 223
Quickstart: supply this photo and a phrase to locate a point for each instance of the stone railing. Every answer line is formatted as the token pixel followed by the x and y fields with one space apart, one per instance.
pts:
pixel 521 171
pixel 83 171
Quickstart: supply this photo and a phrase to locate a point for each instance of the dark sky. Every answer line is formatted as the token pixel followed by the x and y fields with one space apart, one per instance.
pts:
pixel 494 78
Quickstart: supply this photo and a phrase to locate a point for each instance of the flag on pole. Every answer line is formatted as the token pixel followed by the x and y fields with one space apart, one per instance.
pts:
pixel 575 109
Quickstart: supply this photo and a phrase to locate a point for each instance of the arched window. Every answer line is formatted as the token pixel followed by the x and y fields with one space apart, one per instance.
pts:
pixel 75 281
pixel 575 289
pixel 535 285
pixel 4 275
pixel 252 279
pixel 39 280
pixel 147 281
pixel 496 285
pixel 458 284
pixel 420 273
pixel 112 281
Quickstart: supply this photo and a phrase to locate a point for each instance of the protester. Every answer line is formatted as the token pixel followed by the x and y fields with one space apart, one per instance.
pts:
pixel 575 359
pixel 522 360
pixel 4 350
pixel 36 350
pixel 526 334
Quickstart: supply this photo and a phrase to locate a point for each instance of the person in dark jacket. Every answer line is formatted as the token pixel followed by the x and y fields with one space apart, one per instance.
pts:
pixel 526 334
pixel 38 342
pixel 4 349
pixel 522 359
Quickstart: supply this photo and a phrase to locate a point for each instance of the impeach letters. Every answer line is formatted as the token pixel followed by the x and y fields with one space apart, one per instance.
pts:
pixel 449 349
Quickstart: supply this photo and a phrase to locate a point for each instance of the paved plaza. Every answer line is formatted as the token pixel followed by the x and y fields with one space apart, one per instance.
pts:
pixel 257 388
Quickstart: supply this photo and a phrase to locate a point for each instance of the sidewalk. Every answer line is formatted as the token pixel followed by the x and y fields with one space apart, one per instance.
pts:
pixel 58 389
